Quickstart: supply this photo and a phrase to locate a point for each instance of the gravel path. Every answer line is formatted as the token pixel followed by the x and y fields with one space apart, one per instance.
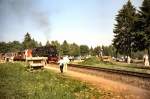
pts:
pixel 119 90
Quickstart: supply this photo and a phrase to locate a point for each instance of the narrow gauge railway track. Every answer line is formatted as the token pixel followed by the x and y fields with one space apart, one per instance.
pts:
pixel 140 80
pixel 139 67
pixel 116 71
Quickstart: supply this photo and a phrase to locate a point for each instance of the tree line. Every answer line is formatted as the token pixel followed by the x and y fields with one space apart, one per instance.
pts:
pixel 63 49
pixel 16 46
pixel 81 50
pixel 132 30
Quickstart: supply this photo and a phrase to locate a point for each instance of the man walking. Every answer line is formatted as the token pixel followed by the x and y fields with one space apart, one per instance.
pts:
pixel 61 65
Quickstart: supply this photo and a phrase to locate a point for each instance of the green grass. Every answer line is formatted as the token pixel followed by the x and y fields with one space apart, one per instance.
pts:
pixel 93 61
pixel 17 83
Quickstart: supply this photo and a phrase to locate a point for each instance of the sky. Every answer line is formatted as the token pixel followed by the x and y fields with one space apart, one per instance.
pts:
pixel 89 22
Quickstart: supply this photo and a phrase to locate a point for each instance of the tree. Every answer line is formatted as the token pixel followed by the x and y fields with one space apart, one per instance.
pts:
pixel 10 47
pixel 28 42
pixel 124 29
pixel 57 44
pixel 108 50
pixel 15 46
pixel 47 43
pixel 65 48
pixel 91 51
pixel 84 50
pixel 144 21
pixel 34 43
pixel 3 47
pixel 74 50
pixel 40 44
pixel 97 50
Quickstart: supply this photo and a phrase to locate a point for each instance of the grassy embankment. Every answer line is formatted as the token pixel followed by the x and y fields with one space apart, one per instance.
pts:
pixel 16 83
pixel 93 61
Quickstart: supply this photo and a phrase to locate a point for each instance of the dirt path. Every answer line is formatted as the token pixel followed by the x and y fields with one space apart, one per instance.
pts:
pixel 121 91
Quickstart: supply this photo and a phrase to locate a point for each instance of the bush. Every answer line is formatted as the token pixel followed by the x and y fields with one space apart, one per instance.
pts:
pixel 94 60
pixel 91 61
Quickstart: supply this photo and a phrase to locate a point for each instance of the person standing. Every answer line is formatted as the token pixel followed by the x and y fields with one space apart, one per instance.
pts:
pixel 61 65
pixel 66 61
pixel 146 60
pixel 128 59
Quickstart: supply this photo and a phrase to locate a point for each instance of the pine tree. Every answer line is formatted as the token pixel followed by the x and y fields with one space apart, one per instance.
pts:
pixel 97 50
pixel 84 50
pixel 40 44
pixel 47 43
pixel 65 48
pixel 144 14
pixel 27 43
pixel 91 52
pixel 124 29
pixel 57 44
pixel 74 50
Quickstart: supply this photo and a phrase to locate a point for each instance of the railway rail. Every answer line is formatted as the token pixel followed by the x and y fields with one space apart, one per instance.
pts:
pixel 116 71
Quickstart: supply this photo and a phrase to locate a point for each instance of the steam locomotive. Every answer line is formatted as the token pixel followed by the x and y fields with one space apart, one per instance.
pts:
pixel 45 51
